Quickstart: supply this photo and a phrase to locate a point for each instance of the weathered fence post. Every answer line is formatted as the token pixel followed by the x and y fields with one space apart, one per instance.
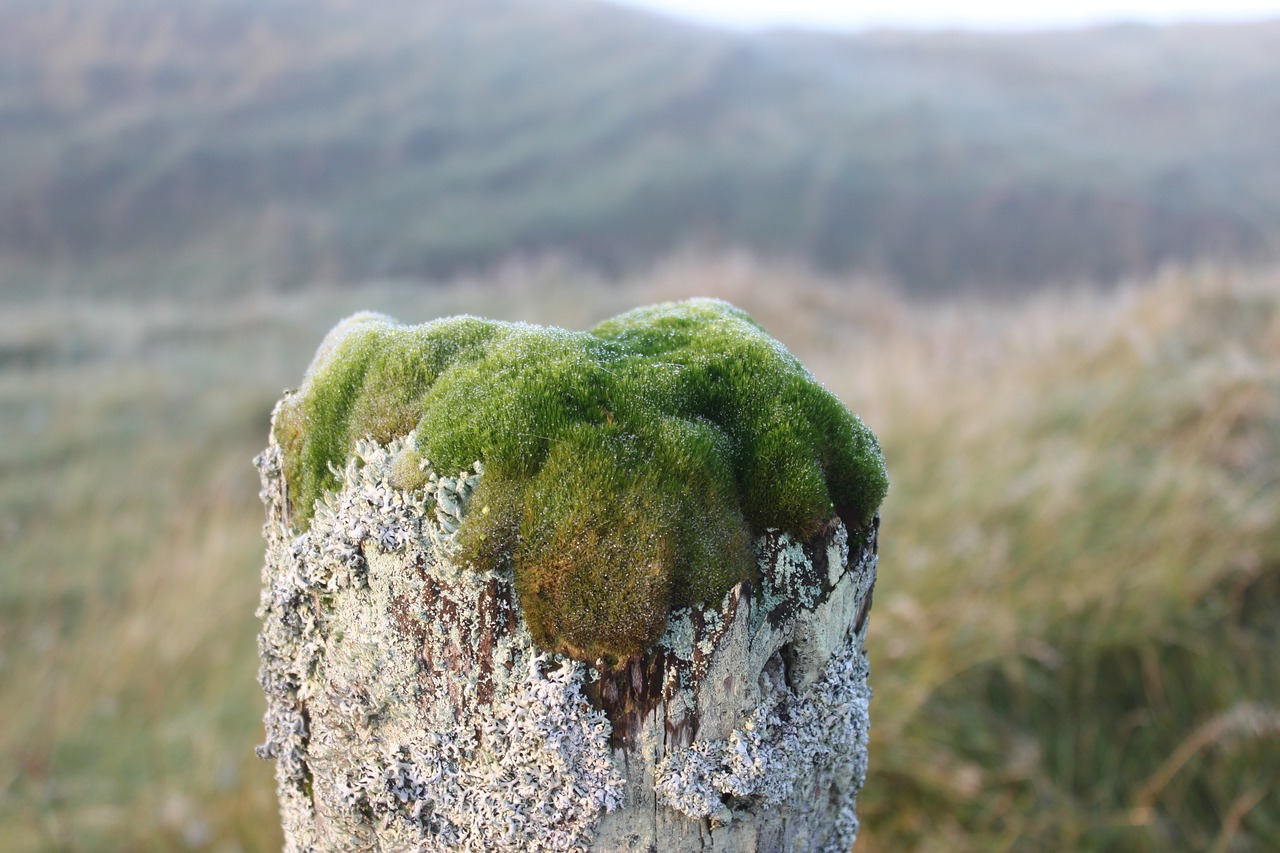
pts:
pixel 458 659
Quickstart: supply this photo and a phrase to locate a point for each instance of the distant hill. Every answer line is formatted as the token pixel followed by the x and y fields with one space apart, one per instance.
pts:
pixel 224 145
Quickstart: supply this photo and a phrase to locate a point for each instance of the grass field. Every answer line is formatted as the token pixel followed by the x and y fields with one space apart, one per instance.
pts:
pixel 1076 636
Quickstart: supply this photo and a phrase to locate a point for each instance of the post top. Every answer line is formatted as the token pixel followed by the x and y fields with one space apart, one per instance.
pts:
pixel 626 469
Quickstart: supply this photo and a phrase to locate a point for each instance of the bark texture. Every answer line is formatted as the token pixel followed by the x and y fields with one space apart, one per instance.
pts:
pixel 409 709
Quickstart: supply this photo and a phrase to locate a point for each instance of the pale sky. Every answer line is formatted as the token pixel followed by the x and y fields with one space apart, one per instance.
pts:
pixel 980 14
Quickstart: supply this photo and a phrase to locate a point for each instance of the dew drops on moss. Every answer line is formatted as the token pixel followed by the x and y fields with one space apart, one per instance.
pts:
pixel 627 468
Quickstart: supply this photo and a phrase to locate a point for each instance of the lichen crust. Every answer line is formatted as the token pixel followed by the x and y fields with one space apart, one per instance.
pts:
pixel 627 470
pixel 363 723
pixel 410 707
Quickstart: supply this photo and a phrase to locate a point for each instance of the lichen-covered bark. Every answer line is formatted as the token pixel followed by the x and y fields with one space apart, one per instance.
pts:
pixel 758 737
pixel 410 709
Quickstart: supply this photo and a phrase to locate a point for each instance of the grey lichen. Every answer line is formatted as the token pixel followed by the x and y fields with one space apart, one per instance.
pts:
pixel 369 750
pixel 800 727
pixel 815 741
pixel 409 707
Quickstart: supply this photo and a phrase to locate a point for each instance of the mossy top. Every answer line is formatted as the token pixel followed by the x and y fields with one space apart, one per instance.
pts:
pixel 626 469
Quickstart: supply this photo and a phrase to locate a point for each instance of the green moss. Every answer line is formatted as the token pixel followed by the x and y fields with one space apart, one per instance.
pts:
pixel 626 468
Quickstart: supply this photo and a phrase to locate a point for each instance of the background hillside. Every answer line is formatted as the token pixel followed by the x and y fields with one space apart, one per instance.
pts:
pixel 219 146
pixel 1076 633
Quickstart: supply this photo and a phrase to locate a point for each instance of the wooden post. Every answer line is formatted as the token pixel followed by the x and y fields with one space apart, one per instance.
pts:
pixel 577 650
pixel 410 709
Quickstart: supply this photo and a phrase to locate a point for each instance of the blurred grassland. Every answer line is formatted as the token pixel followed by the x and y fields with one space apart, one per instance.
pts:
pixel 1076 636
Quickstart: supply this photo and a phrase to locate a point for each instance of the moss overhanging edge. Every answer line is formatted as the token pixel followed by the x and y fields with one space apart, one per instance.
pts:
pixel 627 468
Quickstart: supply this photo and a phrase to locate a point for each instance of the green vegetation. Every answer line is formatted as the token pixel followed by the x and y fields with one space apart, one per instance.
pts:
pixel 1075 633
pixel 228 146
pixel 626 468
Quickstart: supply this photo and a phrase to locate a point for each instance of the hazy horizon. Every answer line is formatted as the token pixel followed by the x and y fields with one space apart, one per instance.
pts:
pixel 992 15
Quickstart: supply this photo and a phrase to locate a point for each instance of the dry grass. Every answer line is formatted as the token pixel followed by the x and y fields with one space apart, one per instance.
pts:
pixel 1079 581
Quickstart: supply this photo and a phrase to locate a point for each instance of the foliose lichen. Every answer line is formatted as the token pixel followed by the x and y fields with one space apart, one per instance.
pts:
pixel 817 739
pixel 626 469
pixel 409 707
pixel 366 735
